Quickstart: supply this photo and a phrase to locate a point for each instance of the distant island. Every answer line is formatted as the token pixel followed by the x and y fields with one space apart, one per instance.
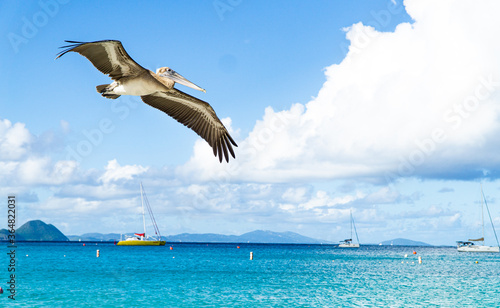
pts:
pixel 403 242
pixel 36 230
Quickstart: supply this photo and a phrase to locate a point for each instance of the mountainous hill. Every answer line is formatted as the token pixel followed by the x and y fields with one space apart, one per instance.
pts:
pixel 404 242
pixel 202 238
pixel 37 230
pixel 258 236
pixel 95 237
pixel 4 235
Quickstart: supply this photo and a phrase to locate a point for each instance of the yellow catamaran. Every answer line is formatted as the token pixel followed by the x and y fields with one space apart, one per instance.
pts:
pixel 140 239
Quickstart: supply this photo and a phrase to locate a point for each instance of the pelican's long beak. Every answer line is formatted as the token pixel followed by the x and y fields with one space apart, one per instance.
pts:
pixel 173 75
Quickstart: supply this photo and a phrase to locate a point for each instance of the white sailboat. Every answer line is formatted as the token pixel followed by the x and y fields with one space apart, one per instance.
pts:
pixel 347 243
pixel 470 245
pixel 140 239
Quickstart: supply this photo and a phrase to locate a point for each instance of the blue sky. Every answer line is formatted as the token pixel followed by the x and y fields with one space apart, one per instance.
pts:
pixel 385 108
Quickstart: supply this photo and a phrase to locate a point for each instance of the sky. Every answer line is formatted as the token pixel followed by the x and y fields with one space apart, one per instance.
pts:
pixel 386 109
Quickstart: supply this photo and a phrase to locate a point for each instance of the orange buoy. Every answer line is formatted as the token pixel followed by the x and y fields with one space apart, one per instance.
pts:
pixel 83 244
pixel 171 248
pixel 238 247
pixel 414 252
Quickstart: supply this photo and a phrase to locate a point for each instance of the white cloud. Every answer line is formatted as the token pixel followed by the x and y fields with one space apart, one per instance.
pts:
pixel 422 100
pixel 41 170
pixel 20 165
pixel 295 195
pixel 14 140
pixel 115 172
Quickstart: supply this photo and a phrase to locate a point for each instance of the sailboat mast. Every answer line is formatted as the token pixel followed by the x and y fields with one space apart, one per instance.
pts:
pixel 351 224
pixel 355 231
pixel 489 215
pixel 482 210
pixel 143 218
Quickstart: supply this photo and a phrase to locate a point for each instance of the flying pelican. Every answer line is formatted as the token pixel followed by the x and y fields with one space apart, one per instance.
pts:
pixel 155 89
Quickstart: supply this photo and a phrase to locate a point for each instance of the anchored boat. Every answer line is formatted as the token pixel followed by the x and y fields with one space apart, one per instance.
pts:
pixel 140 239
pixel 347 243
pixel 470 245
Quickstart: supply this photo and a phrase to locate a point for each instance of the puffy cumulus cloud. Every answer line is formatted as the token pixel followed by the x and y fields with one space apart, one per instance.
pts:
pixel 28 171
pixel 15 140
pixel 295 195
pixel 423 100
pixel 41 170
pixel 21 166
pixel 114 172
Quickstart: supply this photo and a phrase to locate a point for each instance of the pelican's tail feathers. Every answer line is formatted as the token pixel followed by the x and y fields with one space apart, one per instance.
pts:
pixel 103 90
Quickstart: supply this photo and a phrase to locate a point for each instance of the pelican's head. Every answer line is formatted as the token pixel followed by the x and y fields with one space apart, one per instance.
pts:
pixel 169 73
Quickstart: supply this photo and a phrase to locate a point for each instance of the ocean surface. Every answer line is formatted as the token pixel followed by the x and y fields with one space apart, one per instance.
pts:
pixel 222 275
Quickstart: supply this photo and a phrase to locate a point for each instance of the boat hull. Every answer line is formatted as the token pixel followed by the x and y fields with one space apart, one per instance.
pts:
pixel 350 245
pixel 141 243
pixel 478 248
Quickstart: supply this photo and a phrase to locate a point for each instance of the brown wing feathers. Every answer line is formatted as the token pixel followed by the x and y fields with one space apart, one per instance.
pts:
pixel 109 57
pixel 197 115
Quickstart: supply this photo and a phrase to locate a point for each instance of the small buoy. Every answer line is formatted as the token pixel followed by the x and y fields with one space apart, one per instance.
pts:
pixel 419 260
pixel 406 255
pixel 98 253
pixel 477 262
pixel 1 290
pixel 83 244
pixel 238 247
pixel 171 248
pixel 27 255
pixel 251 255
pixel 414 252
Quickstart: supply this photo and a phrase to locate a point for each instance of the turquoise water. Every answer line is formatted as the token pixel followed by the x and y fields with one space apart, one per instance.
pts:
pixel 221 275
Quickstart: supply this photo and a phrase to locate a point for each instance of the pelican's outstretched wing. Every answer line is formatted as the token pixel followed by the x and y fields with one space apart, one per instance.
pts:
pixel 197 115
pixel 109 57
